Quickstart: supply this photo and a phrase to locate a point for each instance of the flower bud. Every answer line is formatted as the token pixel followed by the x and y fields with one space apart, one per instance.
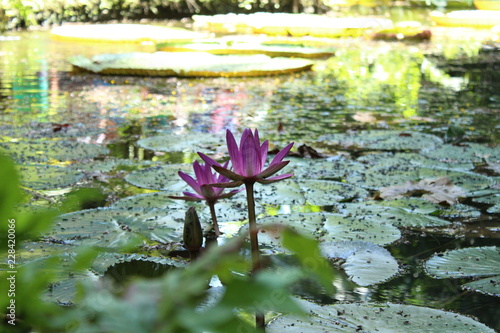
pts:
pixel 192 235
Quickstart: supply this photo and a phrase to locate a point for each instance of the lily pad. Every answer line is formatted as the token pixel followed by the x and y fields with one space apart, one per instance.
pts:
pixel 439 190
pixel 465 152
pixel 47 177
pixel 365 263
pixel 334 168
pixel 121 33
pixel 226 210
pixel 417 159
pixel 116 227
pixel 202 142
pixel 188 64
pixel 374 317
pixel 338 227
pixel 396 216
pixel 44 151
pixel 162 178
pixel 381 140
pixel 469 262
pixel 314 192
pixel 390 175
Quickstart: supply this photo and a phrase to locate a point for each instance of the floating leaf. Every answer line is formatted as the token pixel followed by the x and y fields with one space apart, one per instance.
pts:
pixel 121 33
pixel 381 140
pixel 464 152
pixel 202 142
pixel 468 262
pixel 490 285
pixel 338 227
pixel 162 178
pixel 245 45
pixel 47 177
pixel 116 227
pixel 334 168
pixel 365 263
pixel 43 151
pixel 440 190
pixel 387 159
pixel 396 216
pixel 188 64
pixel 389 175
pixel 375 317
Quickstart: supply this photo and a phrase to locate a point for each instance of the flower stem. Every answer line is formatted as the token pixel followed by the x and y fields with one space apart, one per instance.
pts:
pixel 211 204
pixel 254 245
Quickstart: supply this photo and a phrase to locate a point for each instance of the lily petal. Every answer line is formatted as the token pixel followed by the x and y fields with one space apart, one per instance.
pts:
pixel 190 181
pixel 185 198
pixel 208 160
pixel 275 179
pixel 234 153
pixel 281 155
pixel 228 185
pixel 228 173
pixel 272 169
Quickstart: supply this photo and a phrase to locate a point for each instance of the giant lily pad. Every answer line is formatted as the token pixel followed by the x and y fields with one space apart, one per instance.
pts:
pixel 116 227
pixel 334 168
pixel 224 46
pixel 467 18
pixel 47 177
pixel 365 263
pixel 43 151
pixel 188 64
pixel 469 262
pixel 122 33
pixel 374 317
pixel 417 159
pixel 381 140
pixel 202 142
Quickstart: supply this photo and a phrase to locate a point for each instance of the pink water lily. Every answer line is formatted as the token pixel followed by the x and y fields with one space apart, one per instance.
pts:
pixel 203 191
pixel 248 161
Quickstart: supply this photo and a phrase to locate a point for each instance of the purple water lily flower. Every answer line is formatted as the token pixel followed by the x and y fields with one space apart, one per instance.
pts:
pixel 248 161
pixel 204 176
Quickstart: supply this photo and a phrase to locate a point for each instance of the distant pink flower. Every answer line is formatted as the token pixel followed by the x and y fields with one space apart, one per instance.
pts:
pixel 204 176
pixel 248 161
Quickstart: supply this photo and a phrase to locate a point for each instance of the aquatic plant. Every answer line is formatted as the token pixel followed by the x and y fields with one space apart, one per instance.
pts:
pixel 248 161
pixel 204 191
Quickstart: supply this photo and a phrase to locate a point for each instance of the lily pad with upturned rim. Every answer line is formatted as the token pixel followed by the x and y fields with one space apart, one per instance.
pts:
pixel 188 64
pixel 121 33
pixel 245 46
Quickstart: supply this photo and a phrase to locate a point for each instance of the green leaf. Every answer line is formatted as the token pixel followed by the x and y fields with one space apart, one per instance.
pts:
pixel 164 178
pixel 308 252
pixel 375 317
pixel 465 152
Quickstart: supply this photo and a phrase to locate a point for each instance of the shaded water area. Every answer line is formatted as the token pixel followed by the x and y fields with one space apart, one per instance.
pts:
pixel 367 85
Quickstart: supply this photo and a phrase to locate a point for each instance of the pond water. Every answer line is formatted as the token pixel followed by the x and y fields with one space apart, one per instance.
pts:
pixel 367 86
